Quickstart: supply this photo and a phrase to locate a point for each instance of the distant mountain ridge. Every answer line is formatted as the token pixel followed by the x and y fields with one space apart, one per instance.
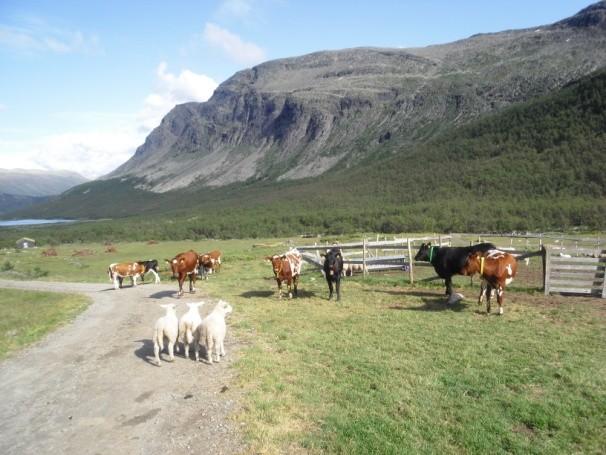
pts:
pixel 300 117
pixel 20 188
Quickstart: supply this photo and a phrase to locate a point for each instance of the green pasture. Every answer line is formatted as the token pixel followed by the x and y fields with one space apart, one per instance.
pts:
pixel 390 368
pixel 26 316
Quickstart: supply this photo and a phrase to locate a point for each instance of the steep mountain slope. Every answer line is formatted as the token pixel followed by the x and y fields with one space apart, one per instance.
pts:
pixel 20 188
pixel 536 165
pixel 299 117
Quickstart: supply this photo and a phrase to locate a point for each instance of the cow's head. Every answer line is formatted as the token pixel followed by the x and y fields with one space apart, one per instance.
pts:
pixel 333 262
pixel 174 265
pixel 424 252
pixel 278 263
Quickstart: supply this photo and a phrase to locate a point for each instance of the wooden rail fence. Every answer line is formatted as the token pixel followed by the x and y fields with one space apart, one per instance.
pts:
pixel 583 274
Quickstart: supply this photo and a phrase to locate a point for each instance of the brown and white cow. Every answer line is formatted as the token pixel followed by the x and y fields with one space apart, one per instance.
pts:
pixel 120 270
pixel 209 263
pixel 185 265
pixel 287 268
pixel 497 269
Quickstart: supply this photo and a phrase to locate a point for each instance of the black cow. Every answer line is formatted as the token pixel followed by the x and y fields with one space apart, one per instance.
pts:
pixel 448 261
pixel 151 264
pixel 333 268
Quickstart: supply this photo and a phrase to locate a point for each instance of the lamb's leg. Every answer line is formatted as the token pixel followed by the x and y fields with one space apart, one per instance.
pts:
pixel 171 355
pixel 209 349
pixel 222 349
pixel 217 350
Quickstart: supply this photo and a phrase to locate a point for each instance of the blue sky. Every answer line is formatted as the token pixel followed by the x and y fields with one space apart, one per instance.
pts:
pixel 82 83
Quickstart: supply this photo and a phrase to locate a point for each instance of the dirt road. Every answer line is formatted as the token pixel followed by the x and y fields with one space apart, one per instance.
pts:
pixel 91 387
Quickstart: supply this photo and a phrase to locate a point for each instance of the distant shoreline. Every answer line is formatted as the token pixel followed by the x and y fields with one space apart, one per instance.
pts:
pixel 31 222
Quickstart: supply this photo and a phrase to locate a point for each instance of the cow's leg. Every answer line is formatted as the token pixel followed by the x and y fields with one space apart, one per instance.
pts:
pixel 295 280
pixel 192 283
pixel 279 288
pixel 488 296
pixel 329 281
pixel 116 282
pixel 338 286
pixel 448 281
pixel 181 280
pixel 134 280
pixel 500 292
pixel 120 279
pixel 289 283
pixel 483 287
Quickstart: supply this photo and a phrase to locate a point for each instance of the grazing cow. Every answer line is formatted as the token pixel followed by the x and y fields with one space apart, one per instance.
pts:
pixel 448 261
pixel 333 268
pixel 185 265
pixel 287 267
pixel 209 263
pixel 497 268
pixel 118 271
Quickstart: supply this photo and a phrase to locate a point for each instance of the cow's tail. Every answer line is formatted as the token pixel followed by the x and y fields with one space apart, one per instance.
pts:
pixel 110 273
pixel 530 254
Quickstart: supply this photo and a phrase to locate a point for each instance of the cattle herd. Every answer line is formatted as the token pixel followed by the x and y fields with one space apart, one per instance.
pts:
pixel 496 268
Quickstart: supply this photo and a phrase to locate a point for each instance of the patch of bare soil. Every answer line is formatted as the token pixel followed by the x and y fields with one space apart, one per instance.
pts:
pixel 91 386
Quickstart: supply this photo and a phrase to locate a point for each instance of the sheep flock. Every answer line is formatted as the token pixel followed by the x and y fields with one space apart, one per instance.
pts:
pixel 192 331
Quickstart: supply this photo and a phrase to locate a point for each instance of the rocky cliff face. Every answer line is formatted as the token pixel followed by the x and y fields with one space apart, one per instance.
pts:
pixel 302 116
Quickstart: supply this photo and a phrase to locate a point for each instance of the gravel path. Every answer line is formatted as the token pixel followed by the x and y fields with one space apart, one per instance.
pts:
pixel 90 387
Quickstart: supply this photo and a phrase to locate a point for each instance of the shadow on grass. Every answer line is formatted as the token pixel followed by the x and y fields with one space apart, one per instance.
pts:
pixel 433 304
pixel 302 294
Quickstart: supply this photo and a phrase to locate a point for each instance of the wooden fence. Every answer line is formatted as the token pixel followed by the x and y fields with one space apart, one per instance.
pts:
pixel 579 274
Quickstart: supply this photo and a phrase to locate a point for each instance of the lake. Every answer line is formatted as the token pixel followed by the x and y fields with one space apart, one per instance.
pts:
pixel 29 222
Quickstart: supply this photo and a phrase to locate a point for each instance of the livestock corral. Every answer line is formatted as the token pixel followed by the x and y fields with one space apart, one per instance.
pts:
pixel 391 367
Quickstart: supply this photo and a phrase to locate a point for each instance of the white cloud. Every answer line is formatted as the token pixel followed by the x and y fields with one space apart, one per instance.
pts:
pixel 89 153
pixel 238 8
pixel 97 152
pixel 172 90
pixel 37 36
pixel 240 51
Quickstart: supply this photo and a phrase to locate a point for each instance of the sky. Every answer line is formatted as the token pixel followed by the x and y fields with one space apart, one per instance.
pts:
pixel 82 83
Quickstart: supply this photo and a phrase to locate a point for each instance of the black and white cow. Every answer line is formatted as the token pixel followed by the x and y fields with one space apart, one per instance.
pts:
pixel 150 264
pixel 448 261
pixel 333 268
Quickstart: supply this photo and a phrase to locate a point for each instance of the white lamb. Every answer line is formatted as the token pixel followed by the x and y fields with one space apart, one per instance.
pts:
pixel 211 332
pixel 166 326
pixel 188 323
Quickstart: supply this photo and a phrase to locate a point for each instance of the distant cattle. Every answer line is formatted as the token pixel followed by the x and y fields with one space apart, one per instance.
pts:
pixel 349 269
pixel 185 265
pixel 333 268
pixel 497 268
pixel 449 261
pixel 118 271
pixel 287 268
pixel 209 263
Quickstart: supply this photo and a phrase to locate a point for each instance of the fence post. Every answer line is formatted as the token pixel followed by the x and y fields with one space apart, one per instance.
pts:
pixel 365 273
pixel 546 269
pixel 410 261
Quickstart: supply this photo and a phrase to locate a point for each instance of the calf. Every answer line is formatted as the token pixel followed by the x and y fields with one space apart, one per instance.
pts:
pixel 333 268
pixel 118 271
pixel 448 261
pixel 151 265
pixel 287 268
pixel 209 263
pixel 497 268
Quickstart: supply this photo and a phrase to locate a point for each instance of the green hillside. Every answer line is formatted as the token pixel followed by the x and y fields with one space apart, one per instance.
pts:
pixel 537 165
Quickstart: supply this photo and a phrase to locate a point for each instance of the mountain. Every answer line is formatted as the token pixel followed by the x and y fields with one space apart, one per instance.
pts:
pixel 534 165
pixel 20 188
pixel 300 117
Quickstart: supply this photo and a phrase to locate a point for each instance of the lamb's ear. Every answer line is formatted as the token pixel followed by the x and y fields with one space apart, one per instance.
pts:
pixel 164 305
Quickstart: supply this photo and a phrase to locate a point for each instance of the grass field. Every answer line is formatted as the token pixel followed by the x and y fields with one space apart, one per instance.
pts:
pixel 391 369
pixel 26 316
